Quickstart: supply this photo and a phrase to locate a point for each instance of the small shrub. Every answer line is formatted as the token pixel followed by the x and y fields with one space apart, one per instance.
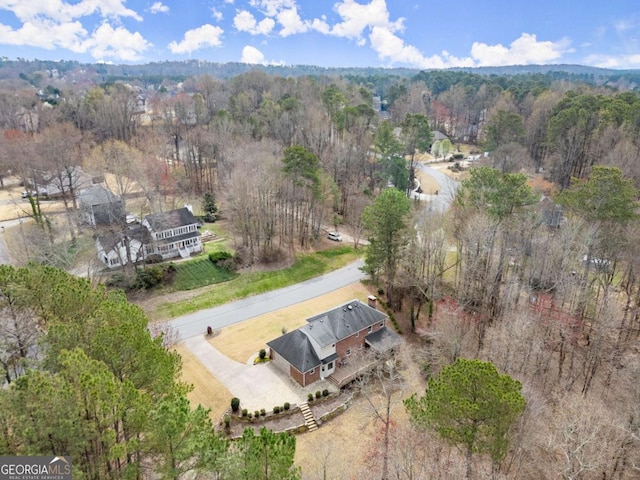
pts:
pixel 215 257
pixel 310 397
pixel 235 404
pixel 256 413
pixel 325 393
pixel 245 412
pixel 262 354
pixel 380 291
pixel 249 415
pixel 153 258
pixel 263 412
pixel 149 277
pixel 227 421
pixel 287 406
pixel 276 409
pixel 318 394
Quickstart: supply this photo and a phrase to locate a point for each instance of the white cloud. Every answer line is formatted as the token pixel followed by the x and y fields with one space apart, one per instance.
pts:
pixel 204 36
pixel 613 61
pixel 522 51
pixel 118 43
pixel 390 47
pixel 320 25
pixel 61 11
pixel 45 34
pixel 159 7
pixel 105 41
pixel 244 21
pixel 622 26
pixel 291 22
pixel 357 17
pixel 217 14
pixel 252 55
pixel 54 24
pixel 271 8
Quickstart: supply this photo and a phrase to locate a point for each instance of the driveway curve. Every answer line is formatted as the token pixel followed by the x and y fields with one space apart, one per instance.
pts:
pixel 257 386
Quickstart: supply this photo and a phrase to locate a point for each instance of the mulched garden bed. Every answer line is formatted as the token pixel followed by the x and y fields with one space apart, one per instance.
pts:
pixel 291 421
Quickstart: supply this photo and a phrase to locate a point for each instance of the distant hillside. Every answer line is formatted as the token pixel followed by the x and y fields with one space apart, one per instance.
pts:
pixel 177 70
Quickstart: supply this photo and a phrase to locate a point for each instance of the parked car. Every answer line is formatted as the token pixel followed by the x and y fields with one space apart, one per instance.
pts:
pixel 335 236
pixel 27 194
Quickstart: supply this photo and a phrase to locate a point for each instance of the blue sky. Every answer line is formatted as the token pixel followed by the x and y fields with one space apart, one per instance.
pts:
pixel 334 33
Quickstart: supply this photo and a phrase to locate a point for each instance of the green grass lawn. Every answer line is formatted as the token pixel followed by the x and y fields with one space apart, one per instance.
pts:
pixel 244 285
pixel 199 273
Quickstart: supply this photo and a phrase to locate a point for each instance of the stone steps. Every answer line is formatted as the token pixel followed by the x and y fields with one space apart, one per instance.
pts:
pixel 309 419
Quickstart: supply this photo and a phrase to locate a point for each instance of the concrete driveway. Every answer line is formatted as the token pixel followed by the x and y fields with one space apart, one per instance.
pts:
pixel 257 386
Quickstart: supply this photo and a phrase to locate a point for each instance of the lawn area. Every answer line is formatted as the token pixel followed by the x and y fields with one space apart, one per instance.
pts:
pixel 199 273
pixel 306 266
pixel 244 339
pixel 207 390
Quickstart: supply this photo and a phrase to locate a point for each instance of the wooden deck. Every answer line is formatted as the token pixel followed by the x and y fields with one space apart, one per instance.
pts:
pixel 345 374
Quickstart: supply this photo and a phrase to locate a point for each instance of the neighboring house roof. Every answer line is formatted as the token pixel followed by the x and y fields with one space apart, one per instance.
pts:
pixel 437 135
pixel 330 327
pixel 296 349
pixel 168 220
pixel 97 195
pixel 110 239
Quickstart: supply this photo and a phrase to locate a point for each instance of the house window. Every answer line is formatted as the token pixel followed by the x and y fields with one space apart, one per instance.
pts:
pixel 312 371
pixel 381 324
pixel 370 328
pixel 330 365
pixel 348 352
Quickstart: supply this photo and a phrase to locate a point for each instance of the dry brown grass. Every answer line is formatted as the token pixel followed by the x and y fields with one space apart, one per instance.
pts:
pixel 245 339
pixel 352 435
pixel 427 183
pixel 207 390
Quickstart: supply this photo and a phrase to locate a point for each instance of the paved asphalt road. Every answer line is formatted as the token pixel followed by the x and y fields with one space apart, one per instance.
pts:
pixel 448 188
pixel 196 323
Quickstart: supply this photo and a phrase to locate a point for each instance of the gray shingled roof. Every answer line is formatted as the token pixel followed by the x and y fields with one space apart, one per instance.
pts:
pixel 97 195
pixel 330 327
pixel 383 340
pixel 173 219
pixel 110 239
pixel 296 349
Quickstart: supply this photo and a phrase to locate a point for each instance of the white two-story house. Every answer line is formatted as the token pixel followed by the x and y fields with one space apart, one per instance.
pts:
pixel 173 234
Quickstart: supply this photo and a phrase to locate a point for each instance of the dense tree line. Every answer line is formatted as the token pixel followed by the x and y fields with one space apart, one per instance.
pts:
pixel 552 303
pixel 84 377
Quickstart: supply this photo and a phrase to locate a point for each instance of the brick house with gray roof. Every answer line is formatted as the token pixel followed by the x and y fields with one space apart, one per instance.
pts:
pixel 322 347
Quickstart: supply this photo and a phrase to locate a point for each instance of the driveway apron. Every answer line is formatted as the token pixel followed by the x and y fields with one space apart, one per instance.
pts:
pixel 257 386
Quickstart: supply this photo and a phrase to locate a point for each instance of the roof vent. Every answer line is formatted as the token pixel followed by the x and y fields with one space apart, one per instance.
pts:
pixel 344 309
pixel 310 326
pixel 350 307
pixel 321 320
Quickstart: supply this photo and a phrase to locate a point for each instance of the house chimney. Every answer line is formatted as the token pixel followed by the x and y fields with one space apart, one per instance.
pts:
pixel 371 300
pixel 189 207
